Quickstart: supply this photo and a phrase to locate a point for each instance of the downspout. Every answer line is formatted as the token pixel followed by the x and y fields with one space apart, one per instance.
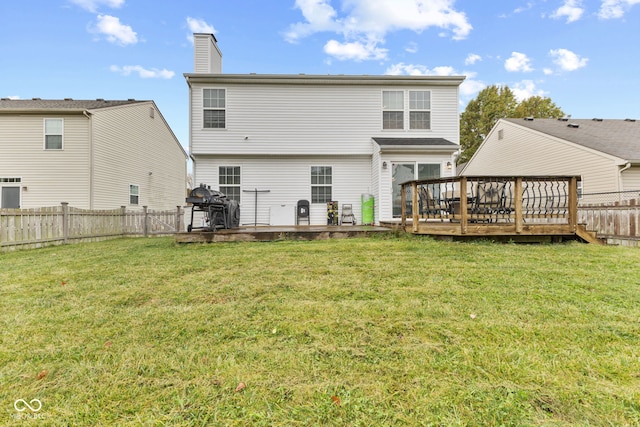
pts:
pixel 620 186
pixel 91 171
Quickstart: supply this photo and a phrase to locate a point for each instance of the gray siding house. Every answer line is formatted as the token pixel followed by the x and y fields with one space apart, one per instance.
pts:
pixel 605 153
pixel 96 154
pixel 269 141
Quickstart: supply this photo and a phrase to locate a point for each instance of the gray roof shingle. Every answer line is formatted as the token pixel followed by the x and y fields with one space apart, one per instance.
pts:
pixel 37 104
pixel 620 138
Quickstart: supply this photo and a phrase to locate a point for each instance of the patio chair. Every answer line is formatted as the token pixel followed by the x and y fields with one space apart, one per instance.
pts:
pixel 347 216
pixel 430 207
pixel 488 200
pixel 302 212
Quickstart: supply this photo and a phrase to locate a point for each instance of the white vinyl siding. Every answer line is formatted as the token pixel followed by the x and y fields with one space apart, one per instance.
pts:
pixel 51 176
pixel 309 120
pixel 351 177
pixel 132 147
pixel 631 179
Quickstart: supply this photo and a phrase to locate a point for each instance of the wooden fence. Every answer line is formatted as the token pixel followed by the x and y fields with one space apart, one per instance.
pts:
pixel 33 228
pixel 618 223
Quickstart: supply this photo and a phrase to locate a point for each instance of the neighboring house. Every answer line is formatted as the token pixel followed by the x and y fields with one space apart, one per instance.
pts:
pixel 319 138
pixel 605 153
pixel 92 154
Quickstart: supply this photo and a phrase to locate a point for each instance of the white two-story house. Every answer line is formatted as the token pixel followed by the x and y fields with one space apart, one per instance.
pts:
pixel 272 140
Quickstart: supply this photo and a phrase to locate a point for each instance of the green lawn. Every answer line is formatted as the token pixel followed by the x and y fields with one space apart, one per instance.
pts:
pixel 364 332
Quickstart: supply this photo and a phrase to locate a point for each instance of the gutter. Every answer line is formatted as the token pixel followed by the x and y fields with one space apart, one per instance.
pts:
pixel 88 115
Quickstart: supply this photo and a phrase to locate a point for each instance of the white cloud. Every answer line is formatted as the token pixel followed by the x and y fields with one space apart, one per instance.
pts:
pixel 115 31
pixel 411 47
pixel 547 71
pixel 472 58
pixel 470 86
pixel 518 62
pixel 366 22
pixel 526 89
pixel 612 9
pixel 419 70
pixel 142 72
pixel 92 5
pixel 567 60
pixel 199 26
pixel 571 9
pixel 356 51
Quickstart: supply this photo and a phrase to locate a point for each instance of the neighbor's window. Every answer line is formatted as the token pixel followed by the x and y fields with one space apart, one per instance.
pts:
pixel 230 182
pixel 320 184
pixel 419 109
pixel 134 194
pixel 214 113
pixel 392 109
pixel 53 134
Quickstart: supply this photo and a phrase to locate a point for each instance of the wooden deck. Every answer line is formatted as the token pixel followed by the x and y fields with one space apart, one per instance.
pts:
pixel 274 233
pixel 529 209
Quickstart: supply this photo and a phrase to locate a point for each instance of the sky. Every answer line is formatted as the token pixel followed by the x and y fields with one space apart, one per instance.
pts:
pixel 580 53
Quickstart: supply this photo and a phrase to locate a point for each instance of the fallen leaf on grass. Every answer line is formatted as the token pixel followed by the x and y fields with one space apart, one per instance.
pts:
pixel 108 344
pixel 240 387
pixel 64 283
pixel 336 400
pixel 473 316
pixel 42 374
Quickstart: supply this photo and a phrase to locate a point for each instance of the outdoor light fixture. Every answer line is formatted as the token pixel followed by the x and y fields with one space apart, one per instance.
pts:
pixel 449 165
pixel 384 165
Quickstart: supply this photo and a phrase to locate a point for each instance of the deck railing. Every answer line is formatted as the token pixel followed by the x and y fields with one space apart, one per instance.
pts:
pixel 510 202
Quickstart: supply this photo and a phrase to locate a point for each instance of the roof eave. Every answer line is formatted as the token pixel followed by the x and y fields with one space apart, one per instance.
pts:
pixel 324 79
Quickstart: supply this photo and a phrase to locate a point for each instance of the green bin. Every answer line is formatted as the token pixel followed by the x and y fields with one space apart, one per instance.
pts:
pixel 368 217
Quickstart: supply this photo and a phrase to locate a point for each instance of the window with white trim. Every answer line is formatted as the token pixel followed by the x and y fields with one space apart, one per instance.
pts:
pixel 392 109
pixel 214 109
pixel 321 183
pixel 134 194
pixel 53 132
pixel 420 109
pixel 229 181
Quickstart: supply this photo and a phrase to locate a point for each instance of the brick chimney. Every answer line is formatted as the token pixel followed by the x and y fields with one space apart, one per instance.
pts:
pixel 207 56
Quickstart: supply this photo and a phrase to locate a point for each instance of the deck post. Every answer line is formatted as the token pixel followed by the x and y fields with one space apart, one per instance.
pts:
pixel 414 206
pixel 463 205
pixel 517 193
pixel 573 204
pixel 403 205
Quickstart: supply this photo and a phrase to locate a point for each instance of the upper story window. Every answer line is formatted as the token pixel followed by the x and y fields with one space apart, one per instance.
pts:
pixel 392 109
pixel 229 177
pixel 53 130
pixel 214 109
pixel 419 109
pixel 134 194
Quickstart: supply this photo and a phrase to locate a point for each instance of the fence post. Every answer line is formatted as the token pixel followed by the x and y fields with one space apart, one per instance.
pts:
pixel 145 209
pixel 123 221
pixel 178 219
pixel 414 206
pixel 463 205
pixel 65 222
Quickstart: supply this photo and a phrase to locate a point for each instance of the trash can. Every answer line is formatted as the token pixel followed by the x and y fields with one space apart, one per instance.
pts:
pixel 368 217
pixel 332 213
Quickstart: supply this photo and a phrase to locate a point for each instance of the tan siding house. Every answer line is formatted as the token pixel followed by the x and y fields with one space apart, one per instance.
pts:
pixel 89 154
pixel 317 137
pixel 605 153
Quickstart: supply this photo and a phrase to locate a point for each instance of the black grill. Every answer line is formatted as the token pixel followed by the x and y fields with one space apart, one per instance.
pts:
pixel 219 212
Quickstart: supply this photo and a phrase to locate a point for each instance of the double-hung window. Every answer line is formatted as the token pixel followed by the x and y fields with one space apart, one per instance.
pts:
pixel 229 179
pixel 134 194
pixel 321 184
pixel 214 109
pixel 53 131
pixel 419 109
pixel 392 109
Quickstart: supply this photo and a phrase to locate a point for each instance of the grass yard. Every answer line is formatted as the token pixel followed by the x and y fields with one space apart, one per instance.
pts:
pixel 395 331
